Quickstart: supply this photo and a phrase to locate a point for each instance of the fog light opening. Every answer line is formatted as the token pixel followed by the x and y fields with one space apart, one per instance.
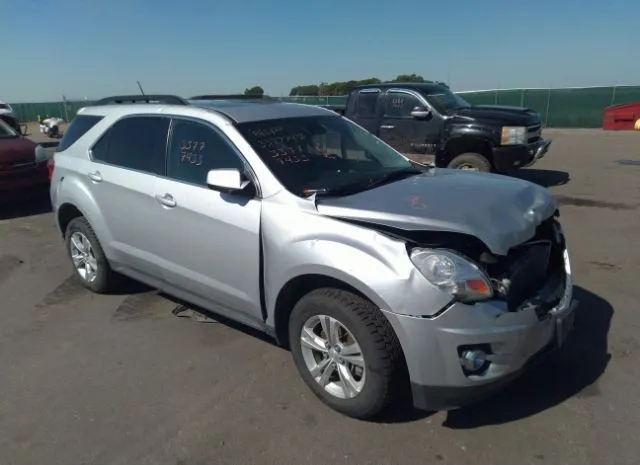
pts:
pixel 473 360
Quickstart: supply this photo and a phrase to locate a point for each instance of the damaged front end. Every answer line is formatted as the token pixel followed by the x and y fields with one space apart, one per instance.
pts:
pixel 532 274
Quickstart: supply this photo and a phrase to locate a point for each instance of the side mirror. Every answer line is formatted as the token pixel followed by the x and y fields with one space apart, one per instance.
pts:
pixel 227 179
pixel 420 113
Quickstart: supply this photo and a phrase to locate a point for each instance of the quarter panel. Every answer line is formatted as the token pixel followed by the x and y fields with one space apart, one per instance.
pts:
pixel 70 187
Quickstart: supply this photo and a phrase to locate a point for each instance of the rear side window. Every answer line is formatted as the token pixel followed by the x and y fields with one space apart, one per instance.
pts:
pixel 78 127
pixel 366 105
pixel 137 143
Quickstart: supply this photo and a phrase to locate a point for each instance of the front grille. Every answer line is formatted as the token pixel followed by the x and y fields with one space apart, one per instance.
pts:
pixel 532 274
pixel 533 133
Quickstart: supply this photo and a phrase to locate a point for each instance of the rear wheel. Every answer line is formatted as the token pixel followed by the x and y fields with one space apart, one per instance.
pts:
pixel 90 264
pixel 470 162
pixel 346 352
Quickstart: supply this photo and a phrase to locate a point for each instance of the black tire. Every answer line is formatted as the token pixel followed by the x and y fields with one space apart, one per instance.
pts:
pixel 106 279
pixel 384 361
pixel 473 160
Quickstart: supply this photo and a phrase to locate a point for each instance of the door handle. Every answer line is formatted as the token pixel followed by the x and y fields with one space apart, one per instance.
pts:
pixel 387 126
pixel 95 176
pixel 166 200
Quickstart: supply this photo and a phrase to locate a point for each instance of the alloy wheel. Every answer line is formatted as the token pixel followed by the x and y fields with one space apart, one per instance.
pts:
pixel 333 356
pixel 83 257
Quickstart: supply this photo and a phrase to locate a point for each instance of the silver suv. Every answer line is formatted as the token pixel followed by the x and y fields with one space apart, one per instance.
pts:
pixel 378 273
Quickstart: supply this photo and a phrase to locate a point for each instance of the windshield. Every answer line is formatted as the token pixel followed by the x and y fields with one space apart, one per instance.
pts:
pixel 6 131
pixel 444 100
pixel 323 154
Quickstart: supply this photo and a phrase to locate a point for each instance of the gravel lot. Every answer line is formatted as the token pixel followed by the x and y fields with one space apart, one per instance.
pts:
pixel 122 380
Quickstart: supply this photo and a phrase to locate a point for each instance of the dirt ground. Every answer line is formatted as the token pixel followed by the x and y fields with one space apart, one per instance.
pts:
pixel 121 379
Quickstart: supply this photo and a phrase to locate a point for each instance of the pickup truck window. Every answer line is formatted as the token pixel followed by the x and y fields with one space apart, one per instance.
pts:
pixel 400 104
pixel 366 104
pixel 321 153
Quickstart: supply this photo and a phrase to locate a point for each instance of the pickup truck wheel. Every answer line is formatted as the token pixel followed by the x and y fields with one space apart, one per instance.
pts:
pixel 470 162
pixel 346 352
pixel 90 264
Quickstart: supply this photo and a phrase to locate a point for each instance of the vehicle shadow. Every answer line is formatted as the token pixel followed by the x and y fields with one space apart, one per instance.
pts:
pixel 545 178
pixel 187 310
pixel 572 371
pixel 37 205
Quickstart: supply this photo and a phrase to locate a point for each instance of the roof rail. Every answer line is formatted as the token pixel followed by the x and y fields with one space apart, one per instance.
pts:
pixel 158 98
pixel 231 97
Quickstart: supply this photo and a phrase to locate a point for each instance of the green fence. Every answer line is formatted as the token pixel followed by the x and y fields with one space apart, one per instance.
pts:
pixel 569 107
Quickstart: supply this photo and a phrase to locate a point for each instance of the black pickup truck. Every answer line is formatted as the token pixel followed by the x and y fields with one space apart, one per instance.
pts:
pixel 429 121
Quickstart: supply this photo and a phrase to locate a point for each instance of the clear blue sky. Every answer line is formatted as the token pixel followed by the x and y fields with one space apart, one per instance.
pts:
pixel 94 48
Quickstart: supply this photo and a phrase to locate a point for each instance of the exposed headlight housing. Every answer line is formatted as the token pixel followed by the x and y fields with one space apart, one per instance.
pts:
pixel 513 135
pixel 452 273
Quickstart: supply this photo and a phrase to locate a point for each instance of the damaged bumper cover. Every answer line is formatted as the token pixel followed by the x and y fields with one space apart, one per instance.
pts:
pixel 511 340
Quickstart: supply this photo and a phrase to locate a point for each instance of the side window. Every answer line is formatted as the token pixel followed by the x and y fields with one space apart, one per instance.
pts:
pixel 366 104
pixel 400 105
pixel 78 127
pixel 196 149
pixel 137 143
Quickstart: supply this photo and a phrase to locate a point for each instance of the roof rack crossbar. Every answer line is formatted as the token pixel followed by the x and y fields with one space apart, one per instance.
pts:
pixel 158 98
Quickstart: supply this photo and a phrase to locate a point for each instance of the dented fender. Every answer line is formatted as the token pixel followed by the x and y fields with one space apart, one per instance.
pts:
pixel 299 241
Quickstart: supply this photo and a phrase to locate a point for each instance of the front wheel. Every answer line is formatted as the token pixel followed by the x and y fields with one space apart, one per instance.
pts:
pixel 470 162
pixel 346 352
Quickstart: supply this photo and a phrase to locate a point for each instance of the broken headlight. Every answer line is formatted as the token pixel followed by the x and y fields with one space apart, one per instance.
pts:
pixel 452 273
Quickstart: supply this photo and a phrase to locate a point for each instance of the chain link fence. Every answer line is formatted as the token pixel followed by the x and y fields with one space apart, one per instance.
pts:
pixel 565 107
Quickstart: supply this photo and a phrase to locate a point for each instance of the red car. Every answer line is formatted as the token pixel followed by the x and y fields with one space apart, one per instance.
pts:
pixel 23 166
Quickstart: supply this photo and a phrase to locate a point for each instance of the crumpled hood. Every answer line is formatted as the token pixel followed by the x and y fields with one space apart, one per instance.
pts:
pixel 499 210
pixel 19 149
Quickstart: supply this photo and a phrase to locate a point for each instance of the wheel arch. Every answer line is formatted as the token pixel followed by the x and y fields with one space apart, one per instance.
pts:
pixel 466 144
pixel 67 212
pixel 298 287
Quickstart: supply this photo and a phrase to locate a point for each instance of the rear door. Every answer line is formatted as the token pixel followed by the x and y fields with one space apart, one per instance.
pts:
pixel 364 109
pixel 402 131
pixel 126 161
pixel 210 240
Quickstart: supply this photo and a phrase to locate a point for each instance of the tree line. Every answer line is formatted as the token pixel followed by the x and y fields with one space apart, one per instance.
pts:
pixel 338 87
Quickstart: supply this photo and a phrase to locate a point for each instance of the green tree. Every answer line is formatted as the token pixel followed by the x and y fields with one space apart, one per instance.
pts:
pixel 342 87
pixel 256 90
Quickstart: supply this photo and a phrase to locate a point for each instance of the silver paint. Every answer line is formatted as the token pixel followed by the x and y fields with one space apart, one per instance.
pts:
pixel 206 248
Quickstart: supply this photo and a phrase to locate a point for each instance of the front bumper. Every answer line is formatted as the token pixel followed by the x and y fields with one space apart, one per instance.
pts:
pixel 515 341
pixel 519 156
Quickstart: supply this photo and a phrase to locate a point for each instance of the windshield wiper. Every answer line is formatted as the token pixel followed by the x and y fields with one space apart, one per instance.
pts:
pixel 360 186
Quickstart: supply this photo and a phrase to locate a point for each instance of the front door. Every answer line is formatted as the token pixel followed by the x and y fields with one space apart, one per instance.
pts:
pixel 405 133
pixel 210 240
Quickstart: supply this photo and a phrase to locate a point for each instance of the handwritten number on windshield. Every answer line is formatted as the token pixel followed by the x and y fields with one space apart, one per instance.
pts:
pixel 192 151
